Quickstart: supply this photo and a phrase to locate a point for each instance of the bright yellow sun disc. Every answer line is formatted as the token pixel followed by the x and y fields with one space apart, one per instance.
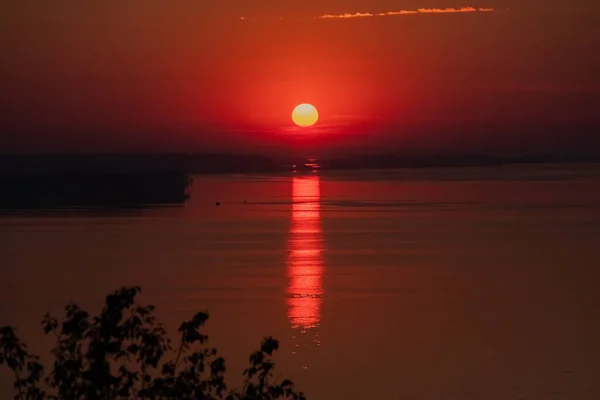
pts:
pixel 305 115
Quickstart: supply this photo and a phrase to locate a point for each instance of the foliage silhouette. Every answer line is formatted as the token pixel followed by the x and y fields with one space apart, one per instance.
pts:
pixel 120 354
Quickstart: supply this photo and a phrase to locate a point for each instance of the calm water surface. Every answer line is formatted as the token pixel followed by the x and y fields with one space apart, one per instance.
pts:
pixel 429 284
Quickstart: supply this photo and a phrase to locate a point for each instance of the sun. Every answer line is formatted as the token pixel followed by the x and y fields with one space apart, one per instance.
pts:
pixel 305 115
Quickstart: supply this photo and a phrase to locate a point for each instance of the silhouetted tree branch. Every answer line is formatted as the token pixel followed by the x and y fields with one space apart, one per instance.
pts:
pixel 120 354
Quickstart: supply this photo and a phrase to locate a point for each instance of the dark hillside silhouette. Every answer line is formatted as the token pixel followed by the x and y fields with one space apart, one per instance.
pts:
pixel 135 163
pixel 34 190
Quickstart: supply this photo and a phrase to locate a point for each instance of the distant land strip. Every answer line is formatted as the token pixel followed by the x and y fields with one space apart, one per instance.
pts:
pixel 407 12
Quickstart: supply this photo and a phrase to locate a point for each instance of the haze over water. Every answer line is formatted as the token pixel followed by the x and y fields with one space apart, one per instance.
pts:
pixel 408 284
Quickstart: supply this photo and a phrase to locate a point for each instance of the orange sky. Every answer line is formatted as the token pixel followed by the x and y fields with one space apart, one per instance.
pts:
pixel 187 75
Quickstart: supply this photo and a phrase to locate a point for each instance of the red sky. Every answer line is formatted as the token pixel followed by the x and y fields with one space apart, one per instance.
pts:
pixel 214 75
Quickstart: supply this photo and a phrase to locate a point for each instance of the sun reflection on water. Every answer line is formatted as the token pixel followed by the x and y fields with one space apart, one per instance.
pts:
pixel 305 261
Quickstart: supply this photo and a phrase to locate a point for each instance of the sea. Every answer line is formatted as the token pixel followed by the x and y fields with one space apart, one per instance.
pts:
pixel 430 284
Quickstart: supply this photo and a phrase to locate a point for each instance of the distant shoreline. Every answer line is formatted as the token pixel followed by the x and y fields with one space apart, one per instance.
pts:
pixel 199 164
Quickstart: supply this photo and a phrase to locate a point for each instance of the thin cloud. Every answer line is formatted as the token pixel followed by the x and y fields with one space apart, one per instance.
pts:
pixel 407 12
